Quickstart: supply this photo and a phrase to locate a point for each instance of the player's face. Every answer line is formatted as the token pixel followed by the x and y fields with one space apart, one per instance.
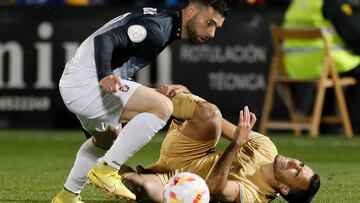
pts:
pixel 202 26
pixel 292 172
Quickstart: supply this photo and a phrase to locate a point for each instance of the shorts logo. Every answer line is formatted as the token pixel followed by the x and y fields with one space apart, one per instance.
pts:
pixel 124 88
pixel 137 33
pixel 115 162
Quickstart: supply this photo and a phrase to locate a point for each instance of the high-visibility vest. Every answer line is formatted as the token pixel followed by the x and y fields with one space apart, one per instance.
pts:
pixel 304 59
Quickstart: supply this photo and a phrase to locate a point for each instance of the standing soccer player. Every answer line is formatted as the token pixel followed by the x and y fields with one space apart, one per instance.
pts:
pixel 95 86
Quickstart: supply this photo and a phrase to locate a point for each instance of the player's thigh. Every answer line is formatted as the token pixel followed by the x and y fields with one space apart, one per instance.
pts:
pixel 146 99
pixel 96 108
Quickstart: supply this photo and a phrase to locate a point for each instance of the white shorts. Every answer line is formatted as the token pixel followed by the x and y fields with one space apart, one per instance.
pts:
pixel 95 108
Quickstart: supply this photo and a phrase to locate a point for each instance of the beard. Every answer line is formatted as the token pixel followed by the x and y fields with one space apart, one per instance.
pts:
pixel 192 34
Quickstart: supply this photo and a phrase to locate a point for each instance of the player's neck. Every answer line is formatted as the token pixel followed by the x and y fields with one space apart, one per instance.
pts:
pixel 267 172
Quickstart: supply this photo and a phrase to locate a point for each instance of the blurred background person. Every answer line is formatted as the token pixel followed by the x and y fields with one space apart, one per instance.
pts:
pixel 304 59
pixel 345 16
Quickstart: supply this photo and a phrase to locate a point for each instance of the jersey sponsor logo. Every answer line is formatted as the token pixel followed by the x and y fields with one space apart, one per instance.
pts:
pixel 149 10
pixel 137 33
pixel 117 163
pixel 124 88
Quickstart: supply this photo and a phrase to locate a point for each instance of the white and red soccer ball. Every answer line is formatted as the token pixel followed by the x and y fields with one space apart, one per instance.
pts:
pixel 186 187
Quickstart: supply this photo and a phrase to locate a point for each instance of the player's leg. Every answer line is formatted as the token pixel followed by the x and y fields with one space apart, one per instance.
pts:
pixel 87 101
pixel 87 156
pixel 147 112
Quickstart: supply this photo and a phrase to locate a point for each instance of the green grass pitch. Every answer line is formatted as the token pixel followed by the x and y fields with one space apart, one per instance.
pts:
pixel 35 164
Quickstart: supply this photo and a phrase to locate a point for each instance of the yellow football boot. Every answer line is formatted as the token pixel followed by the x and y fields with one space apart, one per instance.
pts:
pixel 66 197
pixel 107 178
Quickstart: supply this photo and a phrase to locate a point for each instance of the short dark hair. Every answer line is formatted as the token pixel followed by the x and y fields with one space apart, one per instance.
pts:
pixel 304 196
pixel 219 5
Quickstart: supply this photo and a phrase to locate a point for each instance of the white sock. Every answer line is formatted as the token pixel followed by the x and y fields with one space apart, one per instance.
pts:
pixel 87 157
pixel 136 133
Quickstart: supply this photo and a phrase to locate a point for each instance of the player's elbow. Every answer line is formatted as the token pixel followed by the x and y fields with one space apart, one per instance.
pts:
pixel 210 116
pixel 207 110
pixel 215 185
pixel 217 192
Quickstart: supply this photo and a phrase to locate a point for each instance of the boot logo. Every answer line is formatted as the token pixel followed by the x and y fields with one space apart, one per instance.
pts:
pixel 111 189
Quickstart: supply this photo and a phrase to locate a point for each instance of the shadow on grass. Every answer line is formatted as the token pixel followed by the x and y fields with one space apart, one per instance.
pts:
pixel 22 200
pixel 47 201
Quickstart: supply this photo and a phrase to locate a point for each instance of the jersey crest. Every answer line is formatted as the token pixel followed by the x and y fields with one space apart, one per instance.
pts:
pixel 137 33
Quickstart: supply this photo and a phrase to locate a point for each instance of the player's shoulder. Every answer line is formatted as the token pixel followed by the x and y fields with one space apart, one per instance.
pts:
pixel 152 19
pixel 146 15
pixel 262 143
pixel 260 138
pixel 154 24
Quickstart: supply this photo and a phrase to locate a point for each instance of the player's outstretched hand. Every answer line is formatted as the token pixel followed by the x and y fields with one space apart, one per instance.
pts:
pixel 172 90
pixel 110 83
pixel 247 120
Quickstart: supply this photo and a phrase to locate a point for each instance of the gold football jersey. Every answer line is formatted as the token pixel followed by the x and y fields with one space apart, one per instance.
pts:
pixel 180 153
pixel 246 169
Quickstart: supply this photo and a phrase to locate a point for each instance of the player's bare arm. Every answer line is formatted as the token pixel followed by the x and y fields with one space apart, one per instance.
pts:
pixel 227 129
pixel 202 120
pixel 217 179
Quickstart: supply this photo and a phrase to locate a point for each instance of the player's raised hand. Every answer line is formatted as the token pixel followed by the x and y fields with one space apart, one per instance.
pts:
pixel 247 121
pixel 110 83
pixel 177 89
pixel 164 89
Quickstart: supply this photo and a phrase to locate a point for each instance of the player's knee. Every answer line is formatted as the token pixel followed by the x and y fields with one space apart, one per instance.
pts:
pixel 163 108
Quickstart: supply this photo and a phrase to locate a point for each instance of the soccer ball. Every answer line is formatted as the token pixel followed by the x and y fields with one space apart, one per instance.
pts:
pixel 186 187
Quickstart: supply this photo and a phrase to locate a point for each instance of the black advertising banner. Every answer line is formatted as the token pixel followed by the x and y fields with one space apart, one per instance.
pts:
pixel 231 70
pixel 35 43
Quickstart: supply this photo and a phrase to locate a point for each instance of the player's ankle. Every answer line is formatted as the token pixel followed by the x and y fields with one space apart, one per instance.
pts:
pixel 67 192
pixel 105 166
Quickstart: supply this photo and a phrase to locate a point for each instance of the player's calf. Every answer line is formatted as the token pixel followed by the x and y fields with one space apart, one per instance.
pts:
pixel 105 140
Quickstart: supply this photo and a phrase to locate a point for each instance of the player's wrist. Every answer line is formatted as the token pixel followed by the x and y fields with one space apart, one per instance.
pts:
pixel 101 76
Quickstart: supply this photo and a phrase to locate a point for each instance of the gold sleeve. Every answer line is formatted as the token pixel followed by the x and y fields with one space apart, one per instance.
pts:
pixel 184 105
